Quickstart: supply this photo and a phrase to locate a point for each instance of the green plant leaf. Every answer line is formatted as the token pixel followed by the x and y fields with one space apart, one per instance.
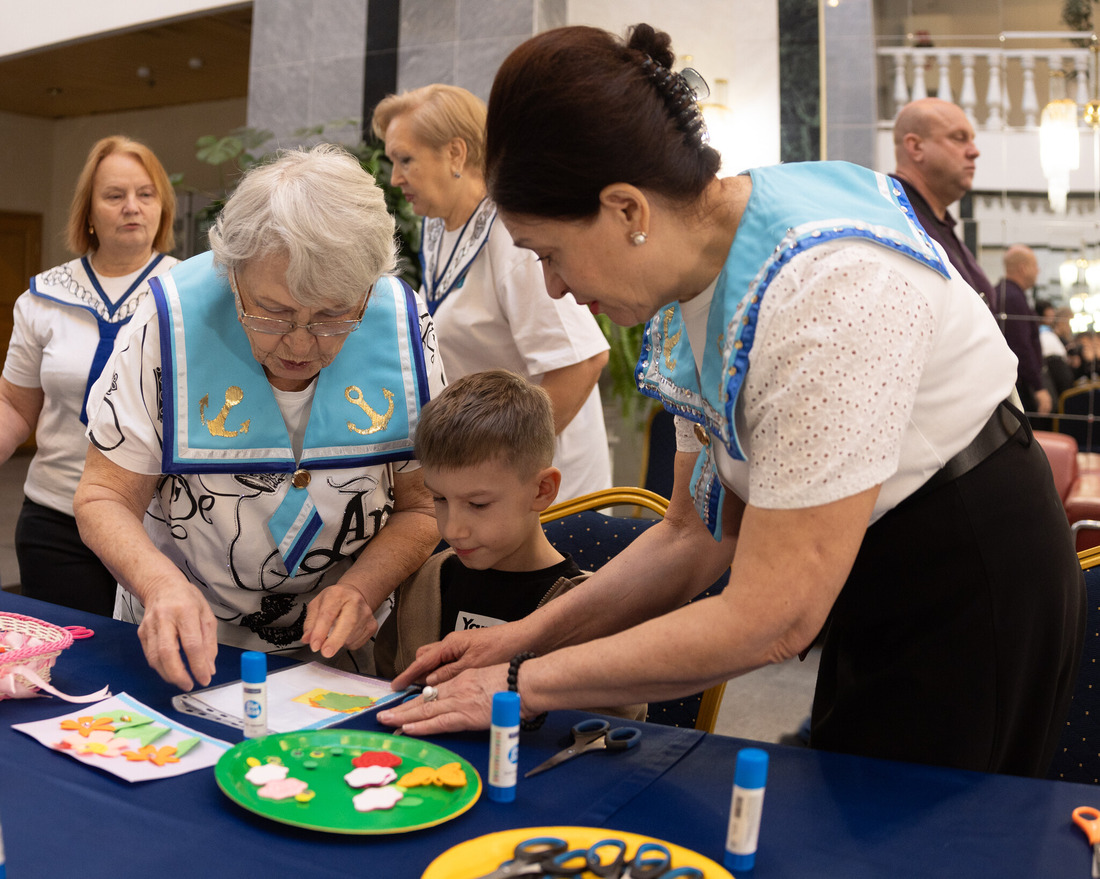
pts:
pixel 625 348
pixel 218 151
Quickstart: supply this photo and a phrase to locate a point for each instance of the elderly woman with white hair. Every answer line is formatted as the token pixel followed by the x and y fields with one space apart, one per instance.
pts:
pixel 258 415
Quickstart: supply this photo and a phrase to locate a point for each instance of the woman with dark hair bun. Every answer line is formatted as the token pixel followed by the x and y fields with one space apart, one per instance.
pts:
pixel 846 438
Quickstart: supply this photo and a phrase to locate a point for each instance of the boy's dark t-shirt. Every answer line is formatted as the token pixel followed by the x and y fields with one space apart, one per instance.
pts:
pixel 474 599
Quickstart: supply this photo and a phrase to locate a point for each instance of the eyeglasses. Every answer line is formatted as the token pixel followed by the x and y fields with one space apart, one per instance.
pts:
pixel 275 327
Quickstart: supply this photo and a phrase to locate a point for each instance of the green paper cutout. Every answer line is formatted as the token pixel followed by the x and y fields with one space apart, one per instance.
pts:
pixel 145 734
pixel 116 718
pixel 343 702
pixel 408 801
pixel 182 747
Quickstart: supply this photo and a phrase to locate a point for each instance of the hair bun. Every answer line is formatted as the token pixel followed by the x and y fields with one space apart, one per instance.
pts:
pixel 654 43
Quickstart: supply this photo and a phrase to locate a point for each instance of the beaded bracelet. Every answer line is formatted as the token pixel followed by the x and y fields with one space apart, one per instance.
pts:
pixel 513 686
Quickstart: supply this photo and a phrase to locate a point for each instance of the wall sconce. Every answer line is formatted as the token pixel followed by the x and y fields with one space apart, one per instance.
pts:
pixel 1059 142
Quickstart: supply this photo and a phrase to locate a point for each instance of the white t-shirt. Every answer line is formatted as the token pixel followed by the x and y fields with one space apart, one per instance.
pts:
pixel 502 317
pixel 213 526
pixel 1049 343
pixel 52 347
pixel 866 368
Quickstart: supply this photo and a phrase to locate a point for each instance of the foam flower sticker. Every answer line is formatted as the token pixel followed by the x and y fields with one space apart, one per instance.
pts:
pixel 370 776
pixel 102 742
pixel 377 798
pixel 156 756
pixel 376 758
pixel 448 775
pixel 282 789
pixel 87 724
pixel 264 773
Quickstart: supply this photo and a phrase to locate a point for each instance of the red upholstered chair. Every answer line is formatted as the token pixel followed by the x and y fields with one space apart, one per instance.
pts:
pixel 1077 479
pixel 1061 452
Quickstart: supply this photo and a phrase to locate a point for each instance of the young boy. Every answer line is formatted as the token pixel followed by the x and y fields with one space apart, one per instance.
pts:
pixel 485 445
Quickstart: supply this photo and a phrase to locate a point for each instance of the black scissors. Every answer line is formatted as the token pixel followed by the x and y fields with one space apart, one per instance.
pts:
pixel 651 861
pixel 542 856
pixel 592 735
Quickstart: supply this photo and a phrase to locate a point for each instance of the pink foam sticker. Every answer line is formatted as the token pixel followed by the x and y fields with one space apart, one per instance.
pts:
pixel 282 789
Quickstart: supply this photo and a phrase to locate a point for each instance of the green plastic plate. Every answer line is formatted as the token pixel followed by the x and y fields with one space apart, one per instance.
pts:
pixel 322 758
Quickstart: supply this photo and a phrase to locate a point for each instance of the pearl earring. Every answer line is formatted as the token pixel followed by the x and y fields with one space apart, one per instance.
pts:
pixel 638 238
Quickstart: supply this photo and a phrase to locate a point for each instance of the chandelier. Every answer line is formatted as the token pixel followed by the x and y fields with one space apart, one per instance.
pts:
pixel 1059 142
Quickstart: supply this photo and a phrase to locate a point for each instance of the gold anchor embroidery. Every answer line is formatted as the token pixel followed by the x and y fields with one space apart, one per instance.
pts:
pixel 670 341
pixel 216 425
pixel 377 422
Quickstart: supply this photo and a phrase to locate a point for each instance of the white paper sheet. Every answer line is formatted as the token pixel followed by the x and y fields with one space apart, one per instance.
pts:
pixel 288 707
pixel 112 740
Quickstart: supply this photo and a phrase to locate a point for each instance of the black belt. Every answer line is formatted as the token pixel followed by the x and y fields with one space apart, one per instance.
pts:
pixel 1005 423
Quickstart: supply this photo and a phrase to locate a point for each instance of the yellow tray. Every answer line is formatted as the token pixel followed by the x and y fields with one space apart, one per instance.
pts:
pixel 478 857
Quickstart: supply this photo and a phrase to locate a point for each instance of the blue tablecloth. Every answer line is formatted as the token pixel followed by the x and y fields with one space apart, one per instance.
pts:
pixel 62 818
pixel 825 815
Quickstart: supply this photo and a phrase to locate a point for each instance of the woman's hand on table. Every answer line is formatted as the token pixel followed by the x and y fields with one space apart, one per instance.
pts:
pixel 464 702
pixel 473 648
pixel 338 617
pixel 178 617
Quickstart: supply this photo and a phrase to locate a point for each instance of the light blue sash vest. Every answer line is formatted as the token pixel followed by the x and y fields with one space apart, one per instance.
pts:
pixel 791 208
pixel 220 414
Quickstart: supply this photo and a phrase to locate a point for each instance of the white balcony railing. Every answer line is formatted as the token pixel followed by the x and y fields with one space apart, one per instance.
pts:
pixel 1002 90
pixel 995 87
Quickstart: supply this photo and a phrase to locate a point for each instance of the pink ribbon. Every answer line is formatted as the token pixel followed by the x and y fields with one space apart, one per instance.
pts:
pixel 13 686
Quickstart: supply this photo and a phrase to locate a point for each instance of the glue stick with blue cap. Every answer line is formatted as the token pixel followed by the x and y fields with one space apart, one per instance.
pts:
pixel 504 747
pixel 746 807
pixel 254 686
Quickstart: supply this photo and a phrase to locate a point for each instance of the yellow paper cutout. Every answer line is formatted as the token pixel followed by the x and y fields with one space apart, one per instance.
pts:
pixel 448 775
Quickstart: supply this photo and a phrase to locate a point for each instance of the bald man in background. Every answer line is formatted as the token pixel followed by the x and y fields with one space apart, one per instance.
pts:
pixel 1020 324
pixel 935 156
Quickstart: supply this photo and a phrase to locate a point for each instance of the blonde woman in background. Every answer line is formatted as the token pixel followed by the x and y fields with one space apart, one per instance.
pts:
pixel 484 293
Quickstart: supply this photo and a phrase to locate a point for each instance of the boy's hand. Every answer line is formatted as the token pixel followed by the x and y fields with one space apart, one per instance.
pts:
pixel 474 648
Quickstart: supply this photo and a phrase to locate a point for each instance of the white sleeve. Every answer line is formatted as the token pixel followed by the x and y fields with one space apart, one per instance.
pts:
pixel 23 364
pixel 842 341
pixel 686 438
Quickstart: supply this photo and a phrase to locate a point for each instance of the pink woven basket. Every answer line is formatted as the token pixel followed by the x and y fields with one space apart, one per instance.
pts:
pixel 39 658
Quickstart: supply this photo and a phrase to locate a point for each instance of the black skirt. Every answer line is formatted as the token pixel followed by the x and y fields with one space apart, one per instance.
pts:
pixel 957 637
